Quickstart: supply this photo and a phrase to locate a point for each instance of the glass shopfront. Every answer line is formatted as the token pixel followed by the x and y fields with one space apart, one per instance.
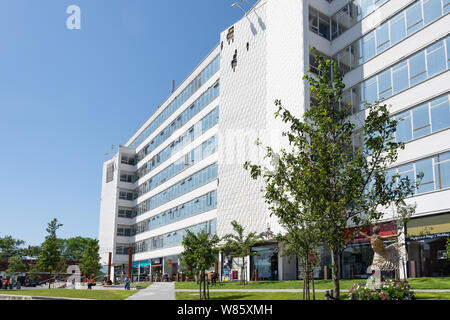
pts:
pixel 144 270
pixel 156 266
pixel 171 266
pixel 354 259
pixel 427 256
pixel 265 265
pixel 426 244
pixel 135 271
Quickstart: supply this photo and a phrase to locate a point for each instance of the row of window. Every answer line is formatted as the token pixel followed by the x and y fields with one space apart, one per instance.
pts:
pixel 210 120
pixel 199 205
pixel 130 160
pixel 125 231
pixel 172 239
pixel 192 87
pixel 189 159
pixel 205 99
pixel 436 173
pixel 122 248
pixel 196 180
pixel 405 74
pixel 426 118
pixel 410 20
pixel 127 195
pixel 127 177
pixel 351 13
pixel 127 212
pixel 344 19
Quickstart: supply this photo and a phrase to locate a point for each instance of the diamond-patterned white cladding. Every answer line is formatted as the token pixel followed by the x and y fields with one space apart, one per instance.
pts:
pixel 271 68
pixel 242 121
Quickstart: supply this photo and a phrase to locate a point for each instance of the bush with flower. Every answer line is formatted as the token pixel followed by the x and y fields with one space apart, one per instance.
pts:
pixel 389 290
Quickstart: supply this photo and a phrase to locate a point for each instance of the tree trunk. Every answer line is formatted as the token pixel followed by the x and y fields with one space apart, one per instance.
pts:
pixel 243 273
pixel 313 288
pixel 49 280
pixel 200 285
pixel 204 285
pixel 335 269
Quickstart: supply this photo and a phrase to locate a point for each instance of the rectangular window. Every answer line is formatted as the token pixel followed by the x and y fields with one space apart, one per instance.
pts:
pixel 368 46
pixel 385 84
pixel 110 172
pixel 442 170
pixel 446 6
pixel 432 10
pixel 371 90
pixel 398 28
pixel 404 127
pixel 421 121
pixel 417 68
pixel 383 37
pixel 414 17
pixel 427 181
pixel 440 113
pixel 400 76
pixel 436 60
pixel 448 50
pixel 407 171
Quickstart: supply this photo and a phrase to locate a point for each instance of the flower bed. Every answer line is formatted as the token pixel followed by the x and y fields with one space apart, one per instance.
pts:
pixel 389 290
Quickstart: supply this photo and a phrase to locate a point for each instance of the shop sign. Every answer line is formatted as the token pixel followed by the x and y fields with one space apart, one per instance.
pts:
pixel 156 261
pixel 387 229
pixel 429 236
pixel 145 263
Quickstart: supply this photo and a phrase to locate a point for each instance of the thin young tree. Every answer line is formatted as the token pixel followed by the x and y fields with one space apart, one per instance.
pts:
pixel 303 243
pixel 239 245
pixel 200 254
pixel 50 258
pixel 319 179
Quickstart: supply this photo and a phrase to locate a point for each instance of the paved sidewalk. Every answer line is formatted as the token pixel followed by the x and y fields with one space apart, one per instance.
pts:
pixel 157 291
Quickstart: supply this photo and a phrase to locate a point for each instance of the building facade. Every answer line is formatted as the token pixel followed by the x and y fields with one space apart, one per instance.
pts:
pixel 183 168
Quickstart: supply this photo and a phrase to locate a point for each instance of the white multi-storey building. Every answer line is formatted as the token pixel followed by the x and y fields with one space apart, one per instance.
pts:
pixel 183 168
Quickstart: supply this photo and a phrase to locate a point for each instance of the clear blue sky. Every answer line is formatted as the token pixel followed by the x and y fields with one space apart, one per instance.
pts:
pixel 66 96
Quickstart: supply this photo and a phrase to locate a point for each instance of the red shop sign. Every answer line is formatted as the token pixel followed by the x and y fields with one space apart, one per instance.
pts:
pixel 387 229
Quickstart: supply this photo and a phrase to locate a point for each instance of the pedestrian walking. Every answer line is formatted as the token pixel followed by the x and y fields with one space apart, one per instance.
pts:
pixel 127 283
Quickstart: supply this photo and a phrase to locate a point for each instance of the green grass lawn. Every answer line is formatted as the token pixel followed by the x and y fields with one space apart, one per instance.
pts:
pixel 416 283
pixel 81 294
pixel 288 296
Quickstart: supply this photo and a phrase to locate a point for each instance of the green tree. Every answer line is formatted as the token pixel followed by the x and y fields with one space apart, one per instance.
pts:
pixel 15 266
pixel 320 180
pixel 90 259
pixel 200 254
pixel 50 259
pixel 32 251
pixel 10 247
pixel 301 242
pixel 239 245
pixel 74 248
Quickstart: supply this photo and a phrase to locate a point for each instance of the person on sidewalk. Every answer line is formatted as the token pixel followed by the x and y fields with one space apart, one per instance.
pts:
pixel 127 283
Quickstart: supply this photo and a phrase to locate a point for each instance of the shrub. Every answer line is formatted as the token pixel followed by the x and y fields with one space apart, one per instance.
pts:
pixel 390 290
